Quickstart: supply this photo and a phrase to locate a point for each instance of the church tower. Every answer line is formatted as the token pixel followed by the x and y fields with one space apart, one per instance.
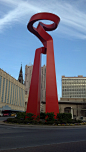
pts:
pixel 20 78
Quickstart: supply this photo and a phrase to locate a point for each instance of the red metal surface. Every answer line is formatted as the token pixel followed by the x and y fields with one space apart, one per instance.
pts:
pixel 33 105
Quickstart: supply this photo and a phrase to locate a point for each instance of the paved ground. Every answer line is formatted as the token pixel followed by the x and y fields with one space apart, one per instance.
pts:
pixel 44 139
pixel 63 147
pixel 4 118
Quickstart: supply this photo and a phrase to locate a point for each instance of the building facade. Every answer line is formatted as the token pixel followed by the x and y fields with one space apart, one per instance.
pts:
pixel 74 87
pixel 12 93
pixel 73 96
pixel 75 106
pixel 28 75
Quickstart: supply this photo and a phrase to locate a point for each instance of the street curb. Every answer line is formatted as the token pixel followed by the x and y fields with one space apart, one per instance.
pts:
pixel 42 126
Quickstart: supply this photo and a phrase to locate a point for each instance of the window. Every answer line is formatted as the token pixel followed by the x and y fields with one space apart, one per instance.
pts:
pixel 23 97
pixel 15 95
pixel 20 96
pixel 6 90
pixel 3 90
pixel 11 93
pixel 26 92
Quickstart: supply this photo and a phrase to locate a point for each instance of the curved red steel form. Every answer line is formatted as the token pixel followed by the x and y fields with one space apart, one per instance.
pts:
pixel 33 105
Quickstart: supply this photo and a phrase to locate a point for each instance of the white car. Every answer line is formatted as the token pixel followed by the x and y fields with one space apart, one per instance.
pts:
pixel 1 114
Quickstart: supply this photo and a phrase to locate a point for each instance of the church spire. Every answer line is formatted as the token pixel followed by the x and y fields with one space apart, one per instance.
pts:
pixel 20 79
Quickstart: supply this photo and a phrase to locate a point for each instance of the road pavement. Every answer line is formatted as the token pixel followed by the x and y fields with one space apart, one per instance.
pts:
pixel 50 139
pixel 5 118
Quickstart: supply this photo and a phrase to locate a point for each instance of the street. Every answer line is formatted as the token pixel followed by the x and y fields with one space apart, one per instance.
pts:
pixel 4 118
pixel 42 138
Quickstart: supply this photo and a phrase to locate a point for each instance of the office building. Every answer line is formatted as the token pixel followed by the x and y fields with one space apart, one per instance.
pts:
pixel 73 96
pixel 12 93
pixel 74 87
pixel 28 75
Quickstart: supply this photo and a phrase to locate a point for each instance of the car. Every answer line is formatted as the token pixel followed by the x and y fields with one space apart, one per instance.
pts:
pixel 6 114
pixel 1 114
pixel 13 114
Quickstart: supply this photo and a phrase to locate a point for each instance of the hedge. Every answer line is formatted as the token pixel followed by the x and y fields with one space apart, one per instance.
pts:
pixel 45 118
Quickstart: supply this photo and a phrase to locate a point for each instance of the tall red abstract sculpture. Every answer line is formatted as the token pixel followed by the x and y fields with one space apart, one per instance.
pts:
pixel 33 105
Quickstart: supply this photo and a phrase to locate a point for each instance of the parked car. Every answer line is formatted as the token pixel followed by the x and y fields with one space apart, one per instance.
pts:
pixel 13 114
pixel 1 114
pixel 5 114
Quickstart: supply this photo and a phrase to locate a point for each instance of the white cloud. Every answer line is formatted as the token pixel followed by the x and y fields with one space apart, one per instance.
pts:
pixel 73 18
pixel 17 14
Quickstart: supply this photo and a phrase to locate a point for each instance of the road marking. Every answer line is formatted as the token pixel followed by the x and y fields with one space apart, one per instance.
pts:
pixel 12 137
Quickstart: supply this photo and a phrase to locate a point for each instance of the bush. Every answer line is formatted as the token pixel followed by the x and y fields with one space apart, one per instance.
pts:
pixel 20 121
pixel 37 118
pixel 21 115
pixel 34 122
pixel 50 117
pixel 49 122
pixel 10 119
pixel 41 122
pixel 13 120
pixel 30 116
pixel 46 118
pixel 42 115
pixel 64 117
pixel 78 121
pixel 26 121
pixel 56 122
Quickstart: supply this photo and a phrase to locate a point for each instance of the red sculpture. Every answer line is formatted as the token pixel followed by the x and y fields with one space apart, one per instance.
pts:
pixel 33 105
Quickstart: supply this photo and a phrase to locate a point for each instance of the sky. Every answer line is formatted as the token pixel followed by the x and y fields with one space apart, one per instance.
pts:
pixel 18 45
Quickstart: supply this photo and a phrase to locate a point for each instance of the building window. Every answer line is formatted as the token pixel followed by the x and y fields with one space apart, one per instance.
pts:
pixel 15 96
pixel 26 92
pixel 11 93
pixel 3 90
pixel 6 90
